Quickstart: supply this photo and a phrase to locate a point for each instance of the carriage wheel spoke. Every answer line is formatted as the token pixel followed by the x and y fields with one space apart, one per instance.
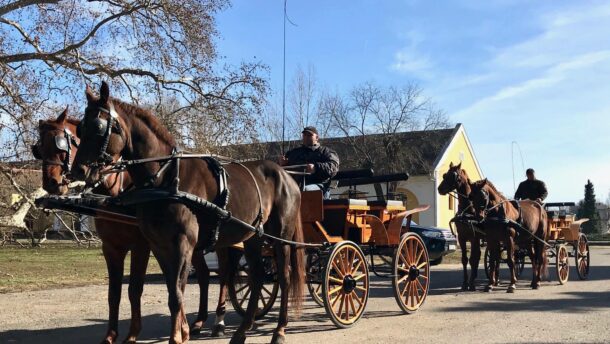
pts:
pixel 357 299
pixel 265 289
pixel 338 270
pixel 262 299
pixel 336 280
pixel 422 265
pixel 241 303
pixel 347 307
pixel 335 290
pixel 404 291
pixel 361 288
pixel 357 267
pixel 242 288
pixel 334 301
pixel 405 277
pixel 359 277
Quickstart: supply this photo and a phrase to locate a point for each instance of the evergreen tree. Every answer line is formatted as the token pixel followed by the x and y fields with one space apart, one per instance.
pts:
pixel 587 209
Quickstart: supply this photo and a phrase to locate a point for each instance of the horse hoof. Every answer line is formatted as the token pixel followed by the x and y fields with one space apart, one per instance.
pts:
pixel 464 287
pixel 238 339
pixel 488 289
pixel 130 340
pixel 511 289
pixel 196 329
pixel 218 330
pixel 278 339
pixel 472 288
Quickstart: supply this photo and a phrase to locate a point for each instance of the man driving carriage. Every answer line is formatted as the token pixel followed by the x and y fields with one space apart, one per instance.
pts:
pixel 532 188
pixel 321 163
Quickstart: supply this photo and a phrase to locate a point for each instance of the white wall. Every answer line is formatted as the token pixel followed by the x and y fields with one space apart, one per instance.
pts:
pixel 424 189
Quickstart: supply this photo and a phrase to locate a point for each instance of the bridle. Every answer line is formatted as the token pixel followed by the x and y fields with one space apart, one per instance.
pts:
pixel 63 143
pixel 102 128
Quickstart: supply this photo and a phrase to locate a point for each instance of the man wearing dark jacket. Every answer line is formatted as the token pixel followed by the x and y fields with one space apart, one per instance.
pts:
pixel 532 188
pixel 322 163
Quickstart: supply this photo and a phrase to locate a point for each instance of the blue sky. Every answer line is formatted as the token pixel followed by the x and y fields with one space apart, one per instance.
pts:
pixel 534 72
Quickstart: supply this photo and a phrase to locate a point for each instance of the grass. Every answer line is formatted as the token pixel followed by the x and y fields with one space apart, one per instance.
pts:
pixel 49 267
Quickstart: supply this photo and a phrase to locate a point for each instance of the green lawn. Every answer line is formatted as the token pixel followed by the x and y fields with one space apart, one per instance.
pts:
pixel 24 269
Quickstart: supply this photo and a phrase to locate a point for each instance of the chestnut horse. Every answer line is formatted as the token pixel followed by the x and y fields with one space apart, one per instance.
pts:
pixel 523 223
pixel 456 179
pixel 262 193
pixel 56 147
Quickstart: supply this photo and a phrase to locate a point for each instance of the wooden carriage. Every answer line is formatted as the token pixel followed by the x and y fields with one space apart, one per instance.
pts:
pixel 354 235
pixel 566 230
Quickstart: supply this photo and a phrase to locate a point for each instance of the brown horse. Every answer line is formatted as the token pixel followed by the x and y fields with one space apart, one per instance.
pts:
pixel 521 223
pixel 456 179
pixel 261 192
pixel 56 147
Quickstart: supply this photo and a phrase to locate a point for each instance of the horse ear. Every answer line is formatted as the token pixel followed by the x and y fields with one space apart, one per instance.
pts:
pixel 459 166
pixel 104 92
pixel 90 96
pixel 451 164
pixel 62 118
pixel 40 123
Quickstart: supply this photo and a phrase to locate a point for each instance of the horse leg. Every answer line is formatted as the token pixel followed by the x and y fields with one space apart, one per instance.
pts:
pixel 282 256
pixel 531 252
pixel 139 262
pixel 228 261
pixel 475 258
pixel 494 258
pixel 173 259
pixel 203 279
pixel 539 250
pixel 464 249
pixel 510 260
pixel 253 253
pixel 115 259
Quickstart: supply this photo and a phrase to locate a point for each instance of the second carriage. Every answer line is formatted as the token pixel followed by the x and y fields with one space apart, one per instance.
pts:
pixel 346 238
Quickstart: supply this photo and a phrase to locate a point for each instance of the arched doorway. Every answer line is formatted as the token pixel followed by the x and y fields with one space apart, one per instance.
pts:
pixel 412 201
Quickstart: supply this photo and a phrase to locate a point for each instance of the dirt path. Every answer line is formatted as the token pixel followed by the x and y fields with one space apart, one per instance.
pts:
pixel 576 312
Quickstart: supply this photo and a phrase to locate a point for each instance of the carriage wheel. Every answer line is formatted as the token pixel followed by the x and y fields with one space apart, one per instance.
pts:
pixel 563 264
pixel 582 256
pixel 487 258
pixel 313 286
pixel 346 284
pixel 239 289
pixel 411 273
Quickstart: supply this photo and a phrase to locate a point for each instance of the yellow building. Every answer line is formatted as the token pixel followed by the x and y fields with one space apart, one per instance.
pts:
pixel 458 149
pixel 427 156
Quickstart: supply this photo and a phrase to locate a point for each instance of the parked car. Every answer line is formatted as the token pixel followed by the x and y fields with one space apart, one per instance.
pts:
pixel 439 242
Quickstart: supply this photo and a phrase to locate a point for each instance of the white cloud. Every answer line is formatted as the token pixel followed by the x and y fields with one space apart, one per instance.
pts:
pixel 409 60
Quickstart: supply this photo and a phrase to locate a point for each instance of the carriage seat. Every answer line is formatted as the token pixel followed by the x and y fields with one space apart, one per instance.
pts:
pixel 346 202
pixel 552 214
pixel 387 204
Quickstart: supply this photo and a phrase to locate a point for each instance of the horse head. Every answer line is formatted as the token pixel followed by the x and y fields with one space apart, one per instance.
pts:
pixel 102 136
pixel 56 147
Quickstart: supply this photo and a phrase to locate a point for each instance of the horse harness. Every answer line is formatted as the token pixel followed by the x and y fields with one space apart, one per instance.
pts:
pixel 63 143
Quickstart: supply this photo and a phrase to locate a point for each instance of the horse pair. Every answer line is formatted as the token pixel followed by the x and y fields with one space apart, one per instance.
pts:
pixel 111 130
pixel 498 220
pixel 56 147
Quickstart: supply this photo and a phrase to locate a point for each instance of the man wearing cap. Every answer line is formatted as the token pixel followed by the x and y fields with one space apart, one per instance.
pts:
pixel 322 163
pixel 532 188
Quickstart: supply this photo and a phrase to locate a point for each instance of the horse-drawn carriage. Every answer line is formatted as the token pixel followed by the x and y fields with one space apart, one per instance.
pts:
pixel 564 230
pixel 344 238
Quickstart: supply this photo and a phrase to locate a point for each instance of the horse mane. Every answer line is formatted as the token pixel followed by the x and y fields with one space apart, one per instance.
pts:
pixel 466 175
pixel 149 119
pixel 51 124
pixel 482 183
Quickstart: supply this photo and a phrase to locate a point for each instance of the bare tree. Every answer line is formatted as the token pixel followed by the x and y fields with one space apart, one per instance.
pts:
pixel 370 118
pixel 153 51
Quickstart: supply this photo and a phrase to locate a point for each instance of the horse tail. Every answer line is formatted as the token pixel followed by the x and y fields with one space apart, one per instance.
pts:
pixel 297 264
